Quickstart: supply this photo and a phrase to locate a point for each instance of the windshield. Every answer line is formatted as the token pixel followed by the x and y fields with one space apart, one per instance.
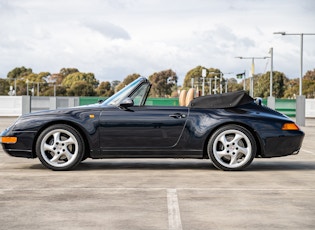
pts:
pixel 127 91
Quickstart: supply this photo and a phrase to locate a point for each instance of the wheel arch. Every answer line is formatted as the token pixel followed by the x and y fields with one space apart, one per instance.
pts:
pixel 250 129
pixel 64 122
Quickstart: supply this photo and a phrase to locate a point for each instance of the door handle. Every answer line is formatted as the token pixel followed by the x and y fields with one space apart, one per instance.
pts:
pixel 177 115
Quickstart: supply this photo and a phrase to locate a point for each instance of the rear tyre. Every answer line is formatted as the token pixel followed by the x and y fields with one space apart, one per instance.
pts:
pixel 60 147
pixel 232 148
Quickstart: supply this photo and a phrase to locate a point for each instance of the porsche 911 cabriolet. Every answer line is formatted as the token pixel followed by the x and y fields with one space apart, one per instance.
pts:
pixel 230 129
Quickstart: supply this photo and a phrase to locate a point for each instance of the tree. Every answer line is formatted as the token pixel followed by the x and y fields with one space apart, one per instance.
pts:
pixel 50 91
pixel 130 78
pixel 114 84
pixel 262 84
pixel 81 88
pixel 4 87
pixel 104 89
pixel 162 83
pixel 66 71
pixel 233 85
pixel 19 72
pixel 309 84
pixel 72 78
pixel 212 74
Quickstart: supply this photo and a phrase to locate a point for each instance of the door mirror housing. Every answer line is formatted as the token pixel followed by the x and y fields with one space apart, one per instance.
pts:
pixel 127 102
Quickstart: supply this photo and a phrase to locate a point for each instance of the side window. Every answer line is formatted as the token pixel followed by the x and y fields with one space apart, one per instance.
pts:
pixel 140 95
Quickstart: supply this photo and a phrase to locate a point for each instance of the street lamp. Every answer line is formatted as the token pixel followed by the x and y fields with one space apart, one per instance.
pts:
pixel 251 89
pixel 300 100
pixel 27 81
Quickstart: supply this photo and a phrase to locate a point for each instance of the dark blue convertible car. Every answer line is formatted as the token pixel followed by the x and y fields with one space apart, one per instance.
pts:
pixel 229 129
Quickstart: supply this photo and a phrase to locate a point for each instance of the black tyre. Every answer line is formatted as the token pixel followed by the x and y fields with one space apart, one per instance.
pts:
pixel 231 148
pixel 60 147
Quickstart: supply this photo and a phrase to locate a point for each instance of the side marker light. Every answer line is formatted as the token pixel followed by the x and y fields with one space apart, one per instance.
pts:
pixel 290 126
pixel 8 140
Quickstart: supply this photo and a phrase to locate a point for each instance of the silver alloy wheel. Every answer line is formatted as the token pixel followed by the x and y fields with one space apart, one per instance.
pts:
pixel 59 148
pixel 232 149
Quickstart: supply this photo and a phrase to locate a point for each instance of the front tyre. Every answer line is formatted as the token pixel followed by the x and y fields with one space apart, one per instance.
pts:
pixel 60 147
pixel 232 148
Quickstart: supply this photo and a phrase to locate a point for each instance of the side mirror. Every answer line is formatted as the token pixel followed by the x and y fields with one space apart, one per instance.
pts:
pixel 258 101
pixel 127 102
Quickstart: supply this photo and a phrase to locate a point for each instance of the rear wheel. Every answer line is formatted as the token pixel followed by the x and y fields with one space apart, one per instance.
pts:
pixel 232 147
pixel 60 147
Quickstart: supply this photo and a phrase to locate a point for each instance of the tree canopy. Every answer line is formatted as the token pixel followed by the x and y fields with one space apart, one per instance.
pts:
pixel 126 81
pixel 72 82
pixel 162 83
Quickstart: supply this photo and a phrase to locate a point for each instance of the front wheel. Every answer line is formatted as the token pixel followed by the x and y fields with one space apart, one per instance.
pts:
pixel 60 147
pixel 232 148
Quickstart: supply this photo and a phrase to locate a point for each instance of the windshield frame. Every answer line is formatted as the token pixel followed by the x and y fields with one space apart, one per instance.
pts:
pixel 125 92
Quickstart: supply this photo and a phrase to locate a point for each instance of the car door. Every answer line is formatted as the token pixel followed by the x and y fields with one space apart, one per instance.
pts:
pixel 141 127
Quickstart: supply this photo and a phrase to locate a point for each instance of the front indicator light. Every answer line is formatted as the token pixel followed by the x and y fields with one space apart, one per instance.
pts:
pixel 8 140
pixel 290 126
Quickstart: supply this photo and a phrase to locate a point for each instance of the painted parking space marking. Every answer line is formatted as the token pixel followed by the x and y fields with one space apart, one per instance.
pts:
pixel 306 151
pixel 174 220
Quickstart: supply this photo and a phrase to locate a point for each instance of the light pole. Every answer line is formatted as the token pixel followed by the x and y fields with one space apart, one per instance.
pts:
pixel 251 88
pixel 203 74
pixel 271 100
pixel 27 81
pixel 300 100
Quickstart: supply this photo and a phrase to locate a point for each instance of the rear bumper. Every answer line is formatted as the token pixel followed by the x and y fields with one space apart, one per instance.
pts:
pixel 283 145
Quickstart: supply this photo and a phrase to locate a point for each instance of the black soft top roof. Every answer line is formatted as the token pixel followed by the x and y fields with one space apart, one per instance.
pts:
pixel 219 101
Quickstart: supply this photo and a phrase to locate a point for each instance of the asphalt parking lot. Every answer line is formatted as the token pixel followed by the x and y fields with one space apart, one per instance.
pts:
pixel 178 194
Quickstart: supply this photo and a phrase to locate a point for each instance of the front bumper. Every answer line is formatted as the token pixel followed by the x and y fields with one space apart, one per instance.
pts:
pixel 23 147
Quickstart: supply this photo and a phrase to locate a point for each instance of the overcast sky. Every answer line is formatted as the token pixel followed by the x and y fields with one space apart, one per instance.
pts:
pixel 115 38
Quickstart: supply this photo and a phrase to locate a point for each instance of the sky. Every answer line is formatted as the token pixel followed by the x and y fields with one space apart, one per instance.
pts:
pixel 115 38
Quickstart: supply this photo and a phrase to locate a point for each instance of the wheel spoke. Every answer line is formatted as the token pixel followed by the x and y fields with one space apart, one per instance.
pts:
pixel 222 153
pixel 55 158
pixel 237 138
pixel 56 137
pixel 68 154
pixel 233 159
pixel 69 141
pixel 243 150
pixel 48 147
pixel 223 140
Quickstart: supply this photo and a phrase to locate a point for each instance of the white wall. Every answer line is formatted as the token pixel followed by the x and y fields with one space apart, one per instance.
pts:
pixel 310 108
pixel 14 105
pixel 18 105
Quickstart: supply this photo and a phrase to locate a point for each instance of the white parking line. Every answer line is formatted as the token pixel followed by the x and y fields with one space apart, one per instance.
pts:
pixel 174 220
pixel 308 151
pixel 157 189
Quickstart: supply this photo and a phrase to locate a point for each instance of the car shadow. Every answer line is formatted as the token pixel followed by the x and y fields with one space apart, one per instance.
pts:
pixel 270 165
pixel 185 164
pixel 150 164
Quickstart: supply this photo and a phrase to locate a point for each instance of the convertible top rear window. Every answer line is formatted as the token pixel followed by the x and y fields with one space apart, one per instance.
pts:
pixel 218 101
